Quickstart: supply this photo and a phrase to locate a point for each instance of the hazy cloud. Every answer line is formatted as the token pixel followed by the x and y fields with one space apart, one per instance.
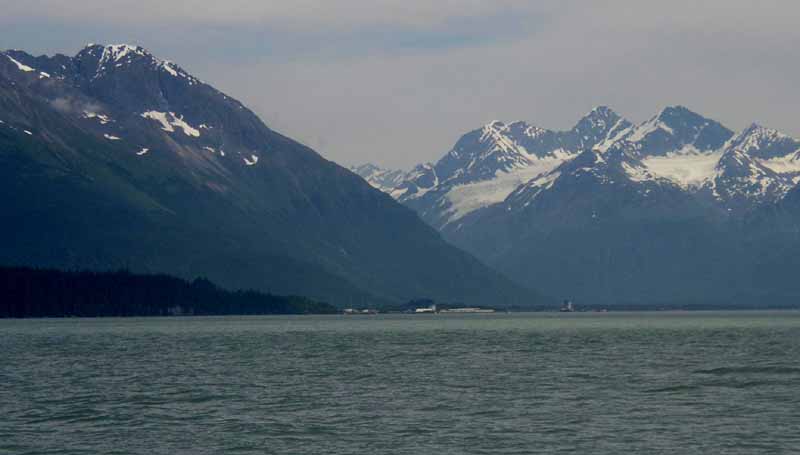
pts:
pixel 396 82
pixel 68 104
pixel 294 14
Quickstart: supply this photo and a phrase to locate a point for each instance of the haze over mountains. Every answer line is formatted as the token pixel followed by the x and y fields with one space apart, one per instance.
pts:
pixel 677 208
pixel 116 158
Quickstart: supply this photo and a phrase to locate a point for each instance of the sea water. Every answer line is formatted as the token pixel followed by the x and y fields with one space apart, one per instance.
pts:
pixel 615 383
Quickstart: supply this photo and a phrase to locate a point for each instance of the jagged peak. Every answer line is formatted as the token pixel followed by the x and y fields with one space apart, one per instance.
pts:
pixel 601 111
pixel 677 110
pixel 117 52
pixel 494 130
pixel 760 131
pixel 366 167
pixel 602 117
pixel 494 125
pixel 681 116
pixel 763 131
pixel 519 124
pixel 499 125
pixel 740 157
pixel 685 126
pixel 119 47
pixel 120 54
pixel 756 137
pixel 13 51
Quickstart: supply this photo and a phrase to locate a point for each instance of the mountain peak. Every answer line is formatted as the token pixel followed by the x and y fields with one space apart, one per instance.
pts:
pixel 102 59
pixel 601 111
pixel 598 125
pixel 675 128
pixel 494 125
pixel 117 52
pixel 601 118
pixel 366 168
pixel 754 126
pixel 678 111
pixel 763 142
pixel 118 49
pixel 676 108
pixel 759 131
pixel 113 53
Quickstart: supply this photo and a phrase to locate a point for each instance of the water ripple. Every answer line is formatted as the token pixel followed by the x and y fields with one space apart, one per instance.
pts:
pixel 511 384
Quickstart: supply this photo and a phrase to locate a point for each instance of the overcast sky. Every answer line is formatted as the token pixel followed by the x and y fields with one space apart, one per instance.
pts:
pixel 396 82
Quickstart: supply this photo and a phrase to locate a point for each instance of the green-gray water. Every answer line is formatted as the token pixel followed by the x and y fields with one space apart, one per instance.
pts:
pixel 613 383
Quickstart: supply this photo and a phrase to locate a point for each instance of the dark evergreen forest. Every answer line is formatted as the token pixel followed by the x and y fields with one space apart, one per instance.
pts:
pixel 31 293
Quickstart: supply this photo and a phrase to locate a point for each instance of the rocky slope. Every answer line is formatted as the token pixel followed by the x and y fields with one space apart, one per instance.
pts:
pixel 116 158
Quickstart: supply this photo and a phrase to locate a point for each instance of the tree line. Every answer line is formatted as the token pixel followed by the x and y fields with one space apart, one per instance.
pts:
pixel 31 293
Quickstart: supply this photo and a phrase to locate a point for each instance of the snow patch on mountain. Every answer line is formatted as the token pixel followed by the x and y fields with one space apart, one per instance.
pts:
pixel 102 118
pixel 116 52
pixel 21 67
pixel 619 131
pixel 383 179
pixel 169 121
pixel 541 183
pixel 170 68
pixel 740 179
pixel 464 199
pixel 642 131
pixel 637 173
pixel 789 164
pixel 687 170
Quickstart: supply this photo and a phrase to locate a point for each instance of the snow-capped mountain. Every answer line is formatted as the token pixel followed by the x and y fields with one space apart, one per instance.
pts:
pixel 675 130
pixel 675 146
pixel 383 179
pixel 122 93
pixel 764 143
pixel 616 168
pixel 673 197
pixel 117 158
pixel 489 163
pixel 500 148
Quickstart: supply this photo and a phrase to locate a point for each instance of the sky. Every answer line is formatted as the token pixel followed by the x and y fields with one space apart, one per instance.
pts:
pixel 397 82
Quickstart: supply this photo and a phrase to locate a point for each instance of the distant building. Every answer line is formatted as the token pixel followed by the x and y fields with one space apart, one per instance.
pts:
pixel 430 309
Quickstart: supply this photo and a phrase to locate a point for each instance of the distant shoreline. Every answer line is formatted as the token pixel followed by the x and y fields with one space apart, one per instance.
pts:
pixel 410 316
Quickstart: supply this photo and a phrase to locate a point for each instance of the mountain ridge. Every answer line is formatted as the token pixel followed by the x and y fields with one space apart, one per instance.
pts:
pixel 675 206
pixel 115 158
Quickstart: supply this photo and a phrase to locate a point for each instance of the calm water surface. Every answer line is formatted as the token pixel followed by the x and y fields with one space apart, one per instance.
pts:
pixel 616 383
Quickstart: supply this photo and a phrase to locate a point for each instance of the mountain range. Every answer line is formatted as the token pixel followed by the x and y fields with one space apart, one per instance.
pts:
pixel 678 208
pixel 115 158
